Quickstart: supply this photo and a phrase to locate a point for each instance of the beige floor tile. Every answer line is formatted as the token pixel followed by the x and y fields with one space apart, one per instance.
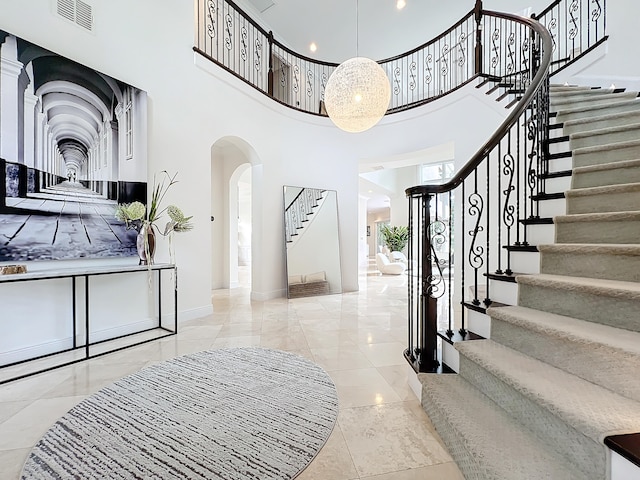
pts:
pixel 362 387
pixel 33 387
pixel 9 409
pixel 443 471
pixel 240 329
pixel 199 332
pixel 397 377
pixel 333 462
pixel 26 427
pixel 232 342
pixel 384 354
pixel 342 358
pixel 389 438
pixel 11 462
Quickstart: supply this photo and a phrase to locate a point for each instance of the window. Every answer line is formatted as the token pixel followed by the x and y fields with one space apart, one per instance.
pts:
pixel 436 172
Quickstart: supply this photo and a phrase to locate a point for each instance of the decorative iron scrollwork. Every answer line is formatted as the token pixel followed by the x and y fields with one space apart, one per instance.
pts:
pixel 296 78
pixel 462 58
pixel 243 41
pixel 258 54
pixel 552 26
pixel 435 284
pixel 412 75
pixel 444 58
pixel 597 11
pixel 508 212
pixel 495 48
pixel 476 252
pixel 309 83
pixel 323 82
pixel 573 8
pixel 532 135
pixel 396 81
pixel 283 78
pixel 428 78
pixel 511 54
pixel 228 41
pixel 212 15
pixel 524 73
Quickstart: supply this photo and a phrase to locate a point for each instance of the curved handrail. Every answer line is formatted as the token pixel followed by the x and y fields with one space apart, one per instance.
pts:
pixel 510 121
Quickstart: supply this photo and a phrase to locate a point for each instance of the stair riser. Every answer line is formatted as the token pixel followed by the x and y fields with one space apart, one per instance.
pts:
pixel 590 93
pixel 559 147
pixel 503 292
pixel 583 159
pixel 625 232
pixel 595 112
pixel 560 164
pixel 610 202
pixel 589 101
pixel 598 123
pixel 541 234
pixel 552 208
pixel 582 305
pixel 479 323
pixel 613 176
pixel 574 446
pixel 565 354
pixel 605 139
pixel 525 262
pixel 608 267
pixel 557 185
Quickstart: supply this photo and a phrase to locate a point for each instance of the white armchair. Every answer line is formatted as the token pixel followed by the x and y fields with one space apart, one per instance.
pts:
pixel 389 268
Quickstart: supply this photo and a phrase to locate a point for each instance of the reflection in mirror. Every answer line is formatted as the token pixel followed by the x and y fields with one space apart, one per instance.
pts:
pixel 311 242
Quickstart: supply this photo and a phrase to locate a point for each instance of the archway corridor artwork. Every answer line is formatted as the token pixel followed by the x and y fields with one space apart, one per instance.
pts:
pixel 73 144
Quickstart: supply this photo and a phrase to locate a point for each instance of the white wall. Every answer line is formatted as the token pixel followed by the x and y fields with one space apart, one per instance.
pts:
pixel 148 44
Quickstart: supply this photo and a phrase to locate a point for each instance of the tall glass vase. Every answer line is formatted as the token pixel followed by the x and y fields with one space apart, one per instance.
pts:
pixel 146 244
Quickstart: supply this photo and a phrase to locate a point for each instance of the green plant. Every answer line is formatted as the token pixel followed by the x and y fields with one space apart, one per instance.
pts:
pixel 395 238
pixel 136 216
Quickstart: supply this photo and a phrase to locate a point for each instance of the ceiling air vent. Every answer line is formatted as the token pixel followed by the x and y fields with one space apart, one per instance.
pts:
pixel 77 12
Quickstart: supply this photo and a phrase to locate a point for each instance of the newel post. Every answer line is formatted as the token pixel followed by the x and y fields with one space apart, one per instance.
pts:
pixel 428 358
pixel 478 14
pixel 270 74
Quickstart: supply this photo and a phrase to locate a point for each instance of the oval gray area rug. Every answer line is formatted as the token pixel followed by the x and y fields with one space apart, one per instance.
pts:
pixel 239 413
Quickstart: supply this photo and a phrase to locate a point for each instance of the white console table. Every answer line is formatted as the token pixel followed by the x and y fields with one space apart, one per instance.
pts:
pixel 81 342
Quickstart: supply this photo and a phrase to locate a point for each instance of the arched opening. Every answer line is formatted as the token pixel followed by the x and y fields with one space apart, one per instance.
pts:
pixel 233 186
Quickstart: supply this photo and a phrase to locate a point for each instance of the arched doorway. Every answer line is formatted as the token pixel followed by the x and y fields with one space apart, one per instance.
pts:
pixel 233 183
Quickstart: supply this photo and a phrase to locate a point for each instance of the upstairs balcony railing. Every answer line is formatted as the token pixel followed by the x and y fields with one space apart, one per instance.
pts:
pixel 226 35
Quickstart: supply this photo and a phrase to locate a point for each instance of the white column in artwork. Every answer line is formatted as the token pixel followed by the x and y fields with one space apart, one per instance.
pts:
pixel 11 100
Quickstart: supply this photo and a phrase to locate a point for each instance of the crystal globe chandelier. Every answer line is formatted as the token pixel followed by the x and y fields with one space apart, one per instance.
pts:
pixel 358 92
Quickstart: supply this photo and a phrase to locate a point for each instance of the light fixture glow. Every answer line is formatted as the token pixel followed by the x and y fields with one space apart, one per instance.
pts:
pixel 357 94
pixel 313 47
pixel 400 4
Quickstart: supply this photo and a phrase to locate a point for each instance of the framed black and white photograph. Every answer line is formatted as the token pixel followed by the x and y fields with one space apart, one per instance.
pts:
pixel 73 145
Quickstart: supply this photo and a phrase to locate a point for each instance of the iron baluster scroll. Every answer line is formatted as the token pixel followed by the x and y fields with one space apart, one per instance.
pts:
pixel 227 36
pixel 495 188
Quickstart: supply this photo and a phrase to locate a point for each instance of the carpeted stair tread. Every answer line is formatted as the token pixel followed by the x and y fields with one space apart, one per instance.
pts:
pixel 590 409
pixel 603 199
pixel 607 147
pixel 602 136
pixel 594 286
pixel 609 173
pixel 593 260
pixel 595 110
pixel 601 354
pixel 579 92
pixel 589 100
pixel 598 217
pixel 485 442
pixel 600 121
pixel 592 248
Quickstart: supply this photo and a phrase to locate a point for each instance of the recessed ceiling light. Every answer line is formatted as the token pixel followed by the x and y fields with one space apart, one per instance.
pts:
pixel 400 4
pixel 313 47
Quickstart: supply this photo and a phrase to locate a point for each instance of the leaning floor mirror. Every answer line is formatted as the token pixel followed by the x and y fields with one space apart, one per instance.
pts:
pixel 311 242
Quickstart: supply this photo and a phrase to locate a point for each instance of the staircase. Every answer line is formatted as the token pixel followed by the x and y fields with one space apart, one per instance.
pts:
pixel 560 370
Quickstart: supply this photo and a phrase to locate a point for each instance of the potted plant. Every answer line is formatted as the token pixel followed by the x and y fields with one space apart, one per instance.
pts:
pixel 395 238
pixel 136 216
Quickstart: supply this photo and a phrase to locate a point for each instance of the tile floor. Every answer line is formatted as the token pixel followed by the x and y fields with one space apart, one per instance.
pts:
pixel 382 433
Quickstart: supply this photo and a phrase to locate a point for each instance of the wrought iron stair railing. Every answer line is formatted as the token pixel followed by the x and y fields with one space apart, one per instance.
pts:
pixel 488 197
pixel 300 210
pixel 226 35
